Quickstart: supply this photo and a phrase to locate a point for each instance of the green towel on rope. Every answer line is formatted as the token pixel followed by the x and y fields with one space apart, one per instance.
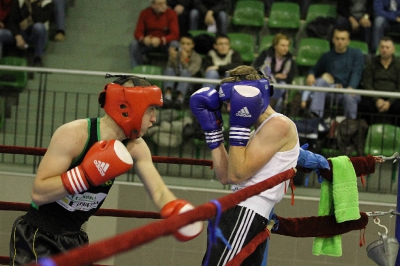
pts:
pixel 340 199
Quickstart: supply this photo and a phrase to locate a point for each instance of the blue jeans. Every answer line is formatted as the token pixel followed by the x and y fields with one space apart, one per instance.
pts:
pixel 380 27
pixel 35 35
pixel 6 38
pixel 211 74
pixel 221 19
pixel 349 102
pixel 137 50
pixel 182 87
pixel 59 13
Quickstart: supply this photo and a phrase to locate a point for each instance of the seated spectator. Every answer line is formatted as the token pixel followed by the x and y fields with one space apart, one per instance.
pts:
pixel 277 64
pixel 387 19
pixel 381 74
pixel 220 59
pixel 212 13
pixel 6 36
pixel 341 67
pixel 356 16
pixel 29 24
pixel 182 9
pixel 59 18
pixel 184 62
pixel 156 30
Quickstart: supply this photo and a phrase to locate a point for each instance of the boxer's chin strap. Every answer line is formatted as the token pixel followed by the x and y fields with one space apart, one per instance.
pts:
pixel 215 232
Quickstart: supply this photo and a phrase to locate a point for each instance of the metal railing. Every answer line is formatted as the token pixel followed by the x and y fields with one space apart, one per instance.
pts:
pixel 44 106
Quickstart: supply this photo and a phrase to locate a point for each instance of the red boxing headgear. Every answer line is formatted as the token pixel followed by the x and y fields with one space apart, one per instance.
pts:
pixel 127 105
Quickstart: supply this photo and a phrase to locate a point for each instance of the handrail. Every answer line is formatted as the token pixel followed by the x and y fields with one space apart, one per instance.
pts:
pixel 198 80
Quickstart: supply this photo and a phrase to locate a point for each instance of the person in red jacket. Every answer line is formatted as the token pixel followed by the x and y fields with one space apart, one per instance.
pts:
pixel 156 30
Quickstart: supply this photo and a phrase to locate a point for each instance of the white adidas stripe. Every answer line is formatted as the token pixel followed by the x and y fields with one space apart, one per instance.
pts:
pixel 240 234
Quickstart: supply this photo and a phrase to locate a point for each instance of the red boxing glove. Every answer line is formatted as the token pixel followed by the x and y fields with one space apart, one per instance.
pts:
pixel 176 207
pixel 104 161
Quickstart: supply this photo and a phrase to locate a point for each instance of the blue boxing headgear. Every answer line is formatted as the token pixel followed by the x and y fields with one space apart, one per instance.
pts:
pixel 262 84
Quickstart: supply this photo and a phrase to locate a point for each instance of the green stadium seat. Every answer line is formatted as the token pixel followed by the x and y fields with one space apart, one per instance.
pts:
pixel 12 78
pixel 363 46
pixel 320 10
pixel 248 13
pixel 310 50
pixel 284 15
pixel 382 139
pixel 243 43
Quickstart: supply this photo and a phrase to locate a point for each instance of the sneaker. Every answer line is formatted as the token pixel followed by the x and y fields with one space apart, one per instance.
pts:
pixel 59 37
pixel 178 104
pixel 37 61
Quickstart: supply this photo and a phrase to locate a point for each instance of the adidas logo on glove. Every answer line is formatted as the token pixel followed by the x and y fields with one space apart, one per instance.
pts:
pixel 101 166
pixel 244 112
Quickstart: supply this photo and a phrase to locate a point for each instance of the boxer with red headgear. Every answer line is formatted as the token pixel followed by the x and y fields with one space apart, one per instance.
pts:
pixel 127 105
pixel 80 165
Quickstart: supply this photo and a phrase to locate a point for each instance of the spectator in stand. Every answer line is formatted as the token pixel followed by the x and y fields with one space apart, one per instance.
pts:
pixel 29 24
pixel 277 64
pixel 212 13
pixel 6 36
pixel 156 30
pixel 387 19
pixel 341 67
pixel 184 62
pixel 182 9
pixel 220 59
pixel 59 18
pixel 381 74
pixel 356 17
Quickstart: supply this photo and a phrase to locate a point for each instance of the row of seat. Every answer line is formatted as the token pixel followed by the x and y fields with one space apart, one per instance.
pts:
pixel 283 15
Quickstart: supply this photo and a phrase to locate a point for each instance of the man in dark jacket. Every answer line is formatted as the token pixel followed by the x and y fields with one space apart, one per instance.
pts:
pixel 212 13
pixel 29 24
pixel 182 9
pixel 220 59
pixel 356 17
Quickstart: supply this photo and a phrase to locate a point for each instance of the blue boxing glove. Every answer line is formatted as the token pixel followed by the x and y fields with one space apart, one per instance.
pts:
pixel 206 107
pixel 246 107
pixel 310 160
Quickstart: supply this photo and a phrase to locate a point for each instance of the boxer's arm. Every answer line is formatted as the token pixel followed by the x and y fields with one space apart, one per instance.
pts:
pixel 278 134
pixel 220 164
pixel 148 174
pixel 66 144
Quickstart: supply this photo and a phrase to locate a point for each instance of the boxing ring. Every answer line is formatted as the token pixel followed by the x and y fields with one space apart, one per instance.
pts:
pixel 324 226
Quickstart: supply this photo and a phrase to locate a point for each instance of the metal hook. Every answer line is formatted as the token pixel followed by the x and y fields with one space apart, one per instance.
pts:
pixel 394 157
pixel 378 222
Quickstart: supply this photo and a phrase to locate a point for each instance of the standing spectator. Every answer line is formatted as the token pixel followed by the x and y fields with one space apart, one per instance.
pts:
pixel 184 62
pixel 29 24
pixel 156 29
pixel 387 19
pixel 59 18
pixel 341 67
pixel 182 9
pixel 277 64
pixel 6 36
pixel 220 59
pixel 382 73
pixel 356 16
pixel 254 156
pixel 212 13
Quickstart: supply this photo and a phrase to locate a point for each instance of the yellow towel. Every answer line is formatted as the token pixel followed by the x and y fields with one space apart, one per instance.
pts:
pixel 339 198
